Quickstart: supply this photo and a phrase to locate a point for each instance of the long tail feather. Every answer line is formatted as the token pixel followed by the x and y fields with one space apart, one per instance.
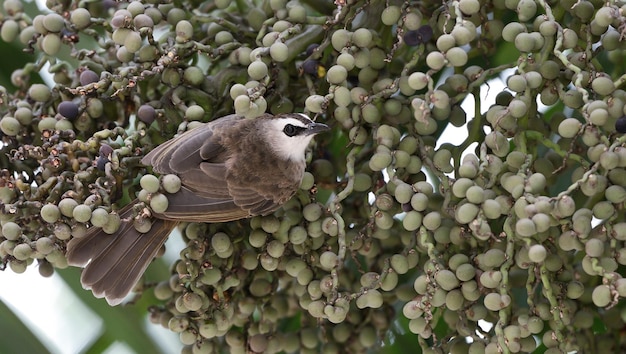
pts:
pixel 114 263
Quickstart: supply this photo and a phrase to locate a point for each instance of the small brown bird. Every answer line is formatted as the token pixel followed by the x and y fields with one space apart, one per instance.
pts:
pixel 231 168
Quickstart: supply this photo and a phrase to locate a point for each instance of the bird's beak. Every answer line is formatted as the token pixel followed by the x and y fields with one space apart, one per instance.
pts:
pixel 315 128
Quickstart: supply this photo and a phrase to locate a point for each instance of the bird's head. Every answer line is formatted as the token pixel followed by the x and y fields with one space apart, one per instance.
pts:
pixel 290 134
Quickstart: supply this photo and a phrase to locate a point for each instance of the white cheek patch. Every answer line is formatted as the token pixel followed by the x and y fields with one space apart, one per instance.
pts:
pixel 288 147
pixel 294 148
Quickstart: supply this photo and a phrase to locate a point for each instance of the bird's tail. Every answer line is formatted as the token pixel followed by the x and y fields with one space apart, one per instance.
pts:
pixel 114 263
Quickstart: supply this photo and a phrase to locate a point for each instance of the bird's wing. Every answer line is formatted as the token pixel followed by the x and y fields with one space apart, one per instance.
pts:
pixel 199 159
pixel 263 190
pixel 253 198
pixel 187 205
pixel 186 151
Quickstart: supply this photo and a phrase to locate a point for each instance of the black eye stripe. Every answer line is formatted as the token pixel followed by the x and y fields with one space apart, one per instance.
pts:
pixel 292 130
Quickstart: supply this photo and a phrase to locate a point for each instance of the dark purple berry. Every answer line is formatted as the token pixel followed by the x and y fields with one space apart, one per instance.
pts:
pixel 109 4
pixel 620 124
pixel 101 163
pixel 105 150
pixel 68 109
pixel 146 114
pixel 311 48
pixel 311 66
pixel 426 32
pixel 87 77
pixel 69 36
pixel 418 36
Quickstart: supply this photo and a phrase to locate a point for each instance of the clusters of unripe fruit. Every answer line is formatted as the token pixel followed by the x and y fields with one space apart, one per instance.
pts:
pixel 521 226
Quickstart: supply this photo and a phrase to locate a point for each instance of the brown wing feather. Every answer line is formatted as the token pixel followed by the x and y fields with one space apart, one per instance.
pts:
pixel 197 157
pixel 262 192
pixel 207 180
pixel 187 205
pixel 189 149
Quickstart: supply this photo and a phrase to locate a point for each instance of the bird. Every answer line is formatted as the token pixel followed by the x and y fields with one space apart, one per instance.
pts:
pixel 230 168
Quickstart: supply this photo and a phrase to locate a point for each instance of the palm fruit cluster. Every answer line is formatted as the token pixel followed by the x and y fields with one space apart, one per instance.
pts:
pixel 511 241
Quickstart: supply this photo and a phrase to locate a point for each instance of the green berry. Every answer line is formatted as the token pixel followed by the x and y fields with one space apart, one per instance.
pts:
pixel 99 217
pixel 399 263
pixel 380 160
pixel 403 193
pixel 53 22
pixel 418 81
pixel 456 56
pixel 10 126
pixel 221 242
pixel 432 221
pixel 496 302
pixel 184 31
pixel 526 10
pixel 603 85
pixel 44 245
pixel 279 51
pixel 413 20
pixel 412 220
pixel 82 213
pixel 537 253
pixel 328 260
pixel 150 183
pixel 525 227
pixel 465 272
pixel 113 224
pixel 257 70
pixel 466 213
pixel 601 295
pixel 39 92
pixel 435 60
pixel 336 75
pixel 158 203
pixel 469 7
pixel 390 15
pixel 446 279
pixel 171 183
pixel 362 37
pixel 346 60
pixel 315 103
pixel 371 298
pixel 22 252
pixel 340 39
pixel 9 31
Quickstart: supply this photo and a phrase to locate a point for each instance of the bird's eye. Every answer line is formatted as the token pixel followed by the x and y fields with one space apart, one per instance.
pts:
pixel 290 130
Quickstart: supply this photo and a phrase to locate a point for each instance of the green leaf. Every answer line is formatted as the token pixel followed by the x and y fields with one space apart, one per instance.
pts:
pixel 123 323
pixel 16 336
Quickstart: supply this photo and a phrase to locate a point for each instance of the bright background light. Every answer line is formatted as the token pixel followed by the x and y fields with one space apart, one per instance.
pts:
pixel 61 321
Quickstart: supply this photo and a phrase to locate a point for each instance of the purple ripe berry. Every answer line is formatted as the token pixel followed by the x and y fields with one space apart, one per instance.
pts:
pixel 311 66
pixel 101 163
pixel 68 109
pixel 311 48
pixel 620 124
pixel 418 36
pixel 105 150
pixel 87 77
pixel 146 114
